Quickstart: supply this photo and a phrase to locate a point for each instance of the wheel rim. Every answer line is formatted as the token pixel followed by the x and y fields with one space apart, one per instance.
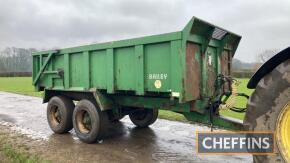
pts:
pixel 283 132
pixel 84 121
pixel 56 115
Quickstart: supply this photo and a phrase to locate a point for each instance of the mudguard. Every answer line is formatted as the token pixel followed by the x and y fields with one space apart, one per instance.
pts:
pixel 269 66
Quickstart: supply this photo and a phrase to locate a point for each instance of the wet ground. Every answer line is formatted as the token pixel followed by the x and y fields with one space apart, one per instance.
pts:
pixel 164 141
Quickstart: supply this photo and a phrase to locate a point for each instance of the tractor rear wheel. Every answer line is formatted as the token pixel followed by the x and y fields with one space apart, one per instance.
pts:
pixel 144 117
pixel 269 109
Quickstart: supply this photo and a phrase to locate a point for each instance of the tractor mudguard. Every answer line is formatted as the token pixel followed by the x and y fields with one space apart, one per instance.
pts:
pixel 267 67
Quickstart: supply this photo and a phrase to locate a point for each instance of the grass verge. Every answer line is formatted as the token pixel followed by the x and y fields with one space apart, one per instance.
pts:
pixel 170 115
pixel 18 157
pixel 11 153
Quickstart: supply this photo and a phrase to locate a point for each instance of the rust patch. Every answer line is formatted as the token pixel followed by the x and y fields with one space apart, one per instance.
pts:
pixel 192 106
pixel 226 61
pixel 192 82
pixel 211 79
pixel 209 86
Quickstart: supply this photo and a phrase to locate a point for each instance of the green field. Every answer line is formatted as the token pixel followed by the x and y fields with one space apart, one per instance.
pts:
pixel 23 85
pixel 241 102
pixel 20 85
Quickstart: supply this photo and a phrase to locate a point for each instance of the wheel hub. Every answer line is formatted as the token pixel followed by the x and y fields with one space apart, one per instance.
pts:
pixel 56 115
pixel 84 122
pixel 283 132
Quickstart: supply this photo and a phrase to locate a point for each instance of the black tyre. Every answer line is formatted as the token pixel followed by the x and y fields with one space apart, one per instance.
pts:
pixel 89 121
pixel 265 107
pixel 144 117
pixel 59 114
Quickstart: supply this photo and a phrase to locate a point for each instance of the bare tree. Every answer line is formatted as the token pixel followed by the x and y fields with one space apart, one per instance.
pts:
pixel 266 55
pixel 14 59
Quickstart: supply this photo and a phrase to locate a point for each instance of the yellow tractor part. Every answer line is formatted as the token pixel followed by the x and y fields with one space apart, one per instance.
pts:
pixel 283 132
pixel 232 99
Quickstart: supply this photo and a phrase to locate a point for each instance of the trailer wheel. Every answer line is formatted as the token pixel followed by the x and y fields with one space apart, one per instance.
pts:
pixel 269 109
pixel 89 121
pixel 59 114
pixel 144 117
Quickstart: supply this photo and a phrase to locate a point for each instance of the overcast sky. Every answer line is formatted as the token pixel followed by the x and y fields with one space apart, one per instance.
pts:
pixel 62 23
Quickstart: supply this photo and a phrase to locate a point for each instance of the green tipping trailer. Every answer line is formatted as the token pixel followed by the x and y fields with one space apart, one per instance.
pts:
pixel 178 71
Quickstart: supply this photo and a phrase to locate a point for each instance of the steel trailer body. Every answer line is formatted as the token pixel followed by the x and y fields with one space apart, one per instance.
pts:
pixel 178 71
pixel 175 71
